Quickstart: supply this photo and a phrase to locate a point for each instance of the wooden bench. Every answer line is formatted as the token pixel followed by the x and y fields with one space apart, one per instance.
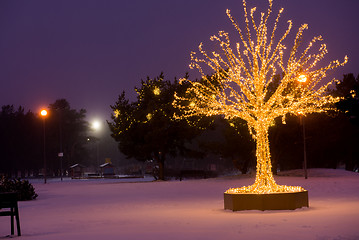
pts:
pixel 8 207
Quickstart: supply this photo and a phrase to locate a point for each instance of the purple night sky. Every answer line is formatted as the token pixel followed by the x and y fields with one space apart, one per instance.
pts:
pixel 89 51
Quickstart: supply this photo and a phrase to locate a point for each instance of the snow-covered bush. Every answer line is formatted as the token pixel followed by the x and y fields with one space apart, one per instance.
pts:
pixel 24 189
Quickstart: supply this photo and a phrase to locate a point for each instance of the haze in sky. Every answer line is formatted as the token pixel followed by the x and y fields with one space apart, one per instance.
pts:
pixel 89 51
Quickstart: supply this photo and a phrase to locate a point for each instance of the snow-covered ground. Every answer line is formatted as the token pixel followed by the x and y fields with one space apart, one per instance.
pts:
pixel 190 209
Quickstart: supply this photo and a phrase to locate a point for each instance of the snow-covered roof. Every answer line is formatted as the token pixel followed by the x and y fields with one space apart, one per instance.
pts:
pixel 77 165
pixel 105 165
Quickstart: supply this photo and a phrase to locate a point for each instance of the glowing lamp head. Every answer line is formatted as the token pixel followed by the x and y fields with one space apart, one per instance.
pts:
pixel 96 125
pixel 43 113
pixel 302 78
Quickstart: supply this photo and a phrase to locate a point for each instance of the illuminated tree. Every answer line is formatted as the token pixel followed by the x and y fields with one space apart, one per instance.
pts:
pixel 245 72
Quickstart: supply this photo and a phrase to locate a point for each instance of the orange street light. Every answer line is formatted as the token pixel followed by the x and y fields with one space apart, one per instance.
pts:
pixel 43 114
pixel 302 78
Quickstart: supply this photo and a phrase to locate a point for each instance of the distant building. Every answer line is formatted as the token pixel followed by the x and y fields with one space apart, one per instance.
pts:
pixel 107 170
pixel 77 171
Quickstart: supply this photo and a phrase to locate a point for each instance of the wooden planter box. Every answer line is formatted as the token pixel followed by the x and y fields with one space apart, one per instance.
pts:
pixel 269 201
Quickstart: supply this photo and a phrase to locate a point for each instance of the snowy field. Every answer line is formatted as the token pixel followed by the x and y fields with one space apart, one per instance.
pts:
pixel 191 209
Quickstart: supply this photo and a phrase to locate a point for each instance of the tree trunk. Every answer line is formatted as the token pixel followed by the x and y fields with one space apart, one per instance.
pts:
pixel 264 176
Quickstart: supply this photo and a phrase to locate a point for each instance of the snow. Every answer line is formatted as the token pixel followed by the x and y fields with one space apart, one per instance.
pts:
pixel 189 209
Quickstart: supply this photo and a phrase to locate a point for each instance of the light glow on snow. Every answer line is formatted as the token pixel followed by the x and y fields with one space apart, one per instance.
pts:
pixel 190 209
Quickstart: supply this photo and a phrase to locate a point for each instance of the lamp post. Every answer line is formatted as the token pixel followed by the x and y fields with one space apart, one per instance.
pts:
pixel 43 114
pixel 60 154
pixel 302 79
pixel 96 125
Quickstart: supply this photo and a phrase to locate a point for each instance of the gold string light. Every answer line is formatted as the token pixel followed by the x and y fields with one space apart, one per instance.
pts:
pixel 239 85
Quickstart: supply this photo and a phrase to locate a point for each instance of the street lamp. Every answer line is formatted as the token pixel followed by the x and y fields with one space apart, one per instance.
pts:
pixel 43 114
pixel 302 79
pixel 96 125
pixel 60 154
